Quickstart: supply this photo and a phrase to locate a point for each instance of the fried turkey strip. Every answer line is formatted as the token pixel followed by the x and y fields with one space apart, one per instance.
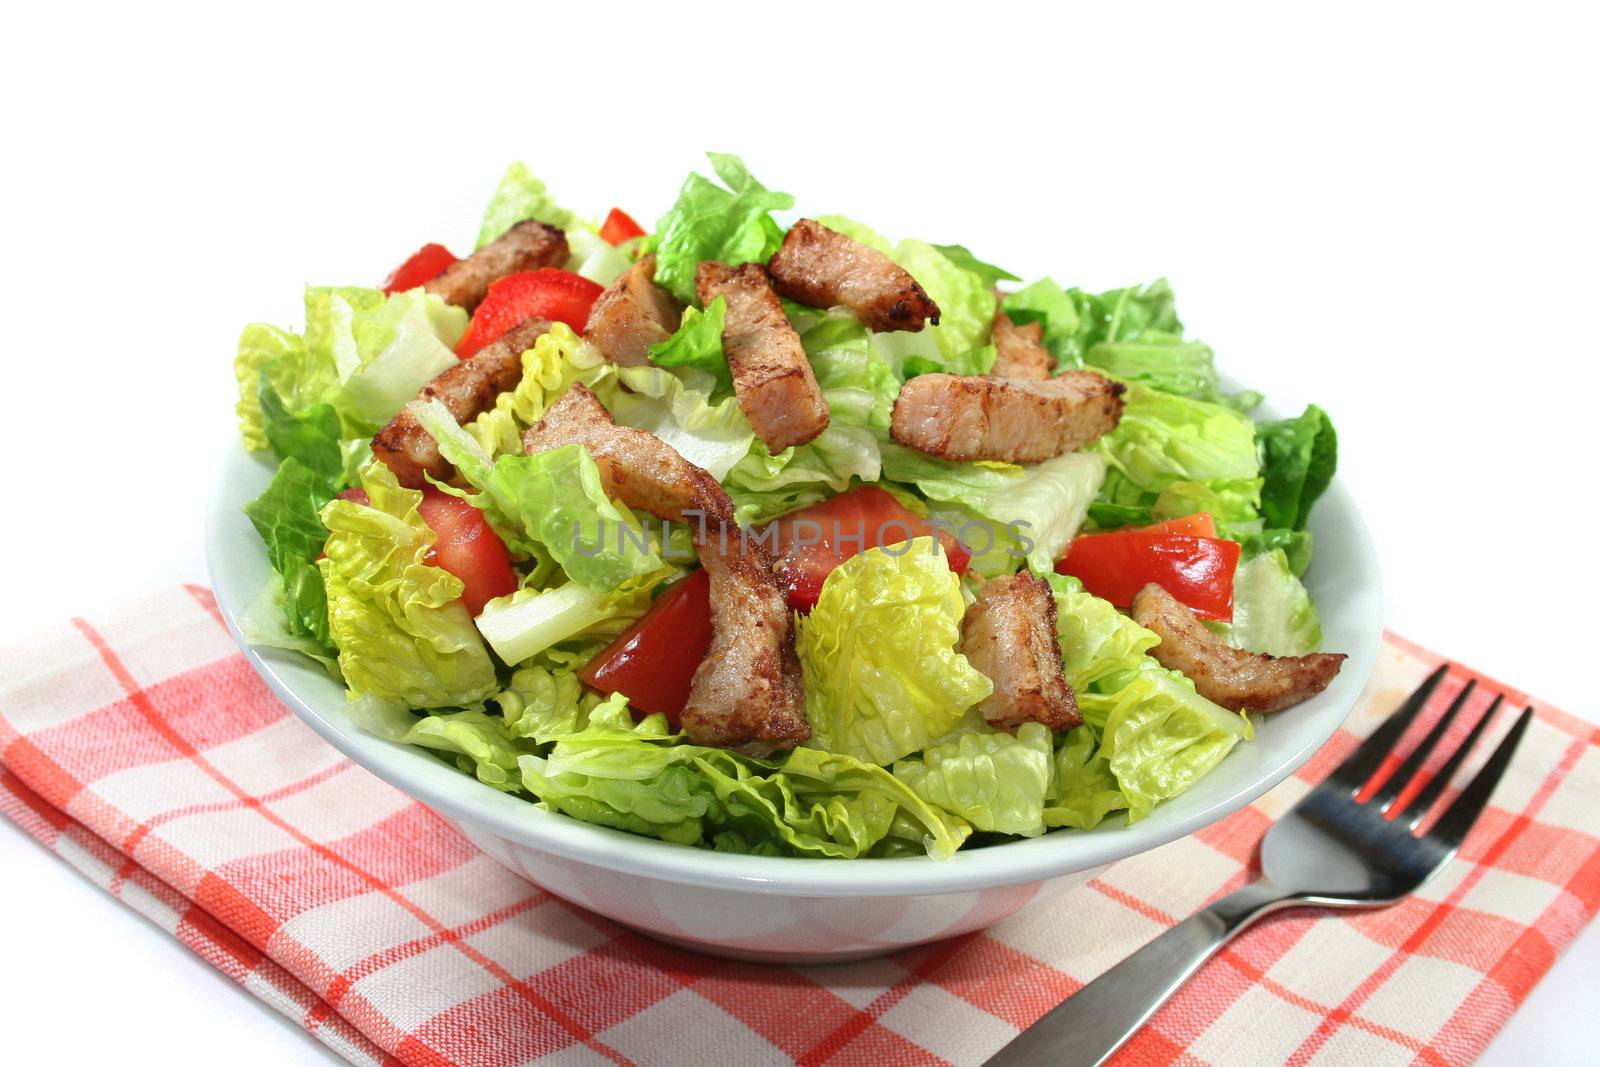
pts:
pixel 526 246
pixel 772 377
pixel 1221 673
pixel 747 691
pixel 1009 633
pixel 967 417
pixel 823 268
pixel 633 314
pixel 466 389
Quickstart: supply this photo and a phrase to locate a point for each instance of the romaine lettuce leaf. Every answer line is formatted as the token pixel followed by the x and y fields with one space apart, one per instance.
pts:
pixel 962 257
pixel 698 343
pixel 1272 612
pixel 1044 302
pixel 856 231
pixel 884 677
pixel 1083 791
pixel 731 225
pixel 965 299
pixel 1096 639
pixel 1041 505
pixel 530 621
pixel 1164 442
pixel 399 625
pixel 280 357
pixel 287 516
pixel 557 359
pixel 518 197
pixel 712 436
pixel 479 741
pixel 1159 736
pixel 993 780
pixel 1298 457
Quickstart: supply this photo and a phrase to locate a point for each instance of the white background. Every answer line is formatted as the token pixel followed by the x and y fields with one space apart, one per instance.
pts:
pixel 1390 211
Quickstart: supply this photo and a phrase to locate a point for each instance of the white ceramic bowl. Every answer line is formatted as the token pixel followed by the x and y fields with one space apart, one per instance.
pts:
pixel 799 910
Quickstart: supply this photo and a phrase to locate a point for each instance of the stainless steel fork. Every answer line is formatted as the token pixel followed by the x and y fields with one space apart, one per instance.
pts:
pixel 1337 848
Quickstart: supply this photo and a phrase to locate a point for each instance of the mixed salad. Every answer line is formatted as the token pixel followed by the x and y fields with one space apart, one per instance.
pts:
pixel 780 538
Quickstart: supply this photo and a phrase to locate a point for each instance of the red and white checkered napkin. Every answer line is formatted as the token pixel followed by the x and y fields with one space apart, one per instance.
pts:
pixel 141 749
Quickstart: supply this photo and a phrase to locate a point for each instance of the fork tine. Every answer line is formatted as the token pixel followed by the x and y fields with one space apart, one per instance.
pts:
pixel 1396 783
pixel 1361 763
pixel 1464 811
pixel 1422 803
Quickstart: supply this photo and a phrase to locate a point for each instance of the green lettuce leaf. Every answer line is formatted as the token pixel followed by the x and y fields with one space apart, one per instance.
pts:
pixel 1272 612
pixel 883 674
pixel 965 298
pixel 1040 506
pixel 1083 791
pixel 478 740
pixel 856 231
pixel 288 518
pixel 518 197
pixel 963 258
pixel 1159 736
pixel 530 621
pixel 279 357
pixel 1096 639
pixel 993 780
pixel 399 625
pixel 1298 457
pixel 731 225
pixel 1200 456
pixel 698 343
pixel 712 436
pixel 557 359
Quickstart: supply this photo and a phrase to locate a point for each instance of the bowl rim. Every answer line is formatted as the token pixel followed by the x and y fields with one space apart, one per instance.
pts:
pixel 461 797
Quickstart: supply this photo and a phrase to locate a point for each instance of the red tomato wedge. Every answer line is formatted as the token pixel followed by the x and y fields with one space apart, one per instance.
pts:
pixel 619 227
pixel 1198 571
pixel 813 541
pixel 546 293
pixel 653 661
pixel 468 548
pixel 425 264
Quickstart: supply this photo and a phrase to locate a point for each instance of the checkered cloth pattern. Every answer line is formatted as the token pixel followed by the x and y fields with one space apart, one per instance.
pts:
pixel 142 749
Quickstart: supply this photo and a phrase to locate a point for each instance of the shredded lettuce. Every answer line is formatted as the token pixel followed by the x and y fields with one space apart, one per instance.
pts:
pixel 398 622
pixel 731 225
pixel 883 674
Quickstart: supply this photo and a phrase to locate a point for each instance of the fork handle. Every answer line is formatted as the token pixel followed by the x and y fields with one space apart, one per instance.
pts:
pixel 1093 1023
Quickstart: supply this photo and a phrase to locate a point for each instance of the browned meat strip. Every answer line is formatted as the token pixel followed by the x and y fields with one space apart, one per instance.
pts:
pixel 1009 634
pixel 1019 351
pixel 1221 673
pixel 772 377
pixel 977 417
pixel 823 268
pixel 526 246
pixel 747 691
pixel 633 314
pixel 468 388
